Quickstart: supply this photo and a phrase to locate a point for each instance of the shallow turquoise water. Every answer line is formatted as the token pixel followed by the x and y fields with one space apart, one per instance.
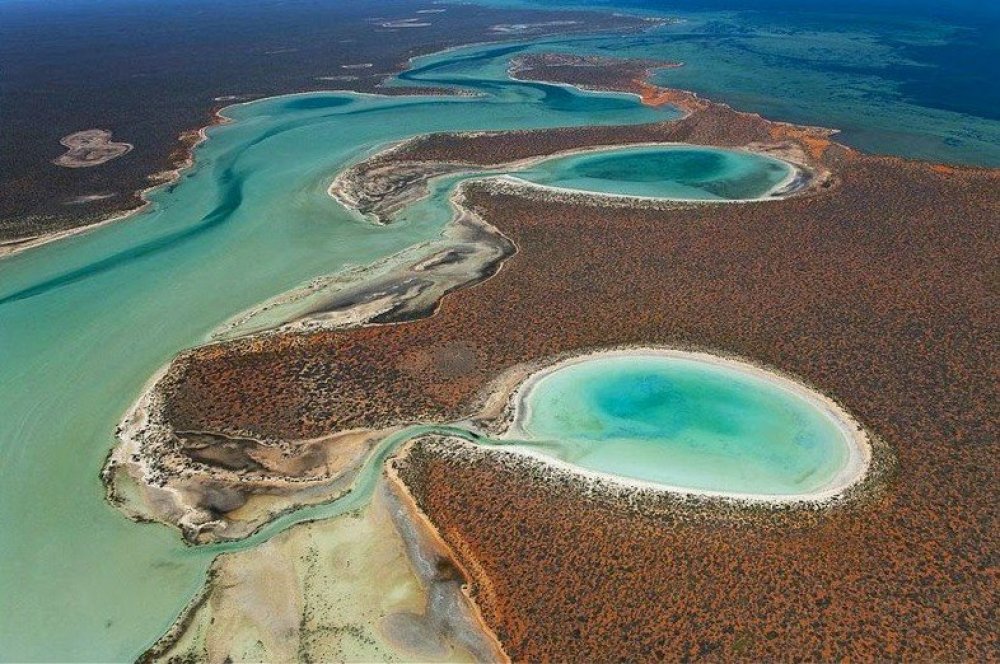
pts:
pixel 671 172
pixel 685 423
pixel 85 322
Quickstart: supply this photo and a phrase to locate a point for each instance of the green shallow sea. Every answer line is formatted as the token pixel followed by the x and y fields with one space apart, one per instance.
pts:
pixel 85 322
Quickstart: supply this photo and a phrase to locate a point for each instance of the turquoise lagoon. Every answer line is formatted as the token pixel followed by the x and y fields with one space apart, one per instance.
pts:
pixel 86 321
pixel 678 172
pixel 689 422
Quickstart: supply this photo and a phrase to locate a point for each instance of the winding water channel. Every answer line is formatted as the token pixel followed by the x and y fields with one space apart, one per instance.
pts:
pixel 86 321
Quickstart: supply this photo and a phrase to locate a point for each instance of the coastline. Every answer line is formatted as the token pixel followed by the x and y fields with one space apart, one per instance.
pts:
pixel 383 183
pixel 780 190
pixel 801 179
pixel 392 587
pixel 360 310
pixel 150 477
pixel 427 542
pixel 161 179
pixel 374 304
pixel 641 495
pixel 427 538
pixel 852 490
pixel 637 82
pixel 184 152
pixel 649 94
pixel 404 286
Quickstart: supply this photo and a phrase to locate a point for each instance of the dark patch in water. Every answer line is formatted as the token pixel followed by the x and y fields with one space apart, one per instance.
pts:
pixel 313 102
pixel 231 196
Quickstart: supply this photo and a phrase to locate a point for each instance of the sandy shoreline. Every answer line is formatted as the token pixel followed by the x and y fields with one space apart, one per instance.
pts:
pixel 868 462
pixel 150 474
pixel 367 304
pixel 650 95
pixel 513 387
pixel 377 187
pixel 499 413
pixel 781 189
pixel 172 174
pixel 427 538
pixel 468 251
pixel 341 190
pixel 165 178
pixel 366 308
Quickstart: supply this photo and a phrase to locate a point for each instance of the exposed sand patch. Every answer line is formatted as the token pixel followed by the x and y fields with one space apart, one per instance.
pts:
pixel 89 198
pixel 401 287
pixel 405 23
pixel 371 585
pixel 215 487
pixel 90 147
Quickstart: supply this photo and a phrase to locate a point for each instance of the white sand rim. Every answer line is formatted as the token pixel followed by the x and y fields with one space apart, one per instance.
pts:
pixel 506 172
pixel 855 438
pixel 776 192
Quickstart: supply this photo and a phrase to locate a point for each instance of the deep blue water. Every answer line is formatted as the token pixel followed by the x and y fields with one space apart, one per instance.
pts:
pixel 908 78
pixel 957 75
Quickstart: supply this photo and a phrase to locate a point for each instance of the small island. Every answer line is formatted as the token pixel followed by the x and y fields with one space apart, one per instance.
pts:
pixel 90 147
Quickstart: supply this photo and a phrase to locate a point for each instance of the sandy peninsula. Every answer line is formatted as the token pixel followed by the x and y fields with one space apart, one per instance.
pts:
pixel 376 585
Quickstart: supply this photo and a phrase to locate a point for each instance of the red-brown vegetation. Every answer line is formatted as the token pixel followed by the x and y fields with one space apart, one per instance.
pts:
pixel 881 292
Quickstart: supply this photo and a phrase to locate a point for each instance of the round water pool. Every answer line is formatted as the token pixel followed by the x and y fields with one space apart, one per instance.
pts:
pixel 665 171
pixel 691 421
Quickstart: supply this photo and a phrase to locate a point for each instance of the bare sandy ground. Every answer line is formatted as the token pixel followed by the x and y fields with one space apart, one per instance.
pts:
pixel 90 147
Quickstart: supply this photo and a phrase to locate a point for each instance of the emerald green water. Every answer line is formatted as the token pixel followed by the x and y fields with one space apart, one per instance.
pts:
pixel 680 172
pixel 86 321
pixel 684 422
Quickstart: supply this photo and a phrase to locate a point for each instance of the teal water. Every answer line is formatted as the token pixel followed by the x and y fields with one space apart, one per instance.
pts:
pixel 85 322
pixel 679 172
pixel 685 423
pixel 674 172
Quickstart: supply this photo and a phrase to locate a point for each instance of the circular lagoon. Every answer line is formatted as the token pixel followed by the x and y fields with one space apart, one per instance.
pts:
pixel 690 422
pixel 679 172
